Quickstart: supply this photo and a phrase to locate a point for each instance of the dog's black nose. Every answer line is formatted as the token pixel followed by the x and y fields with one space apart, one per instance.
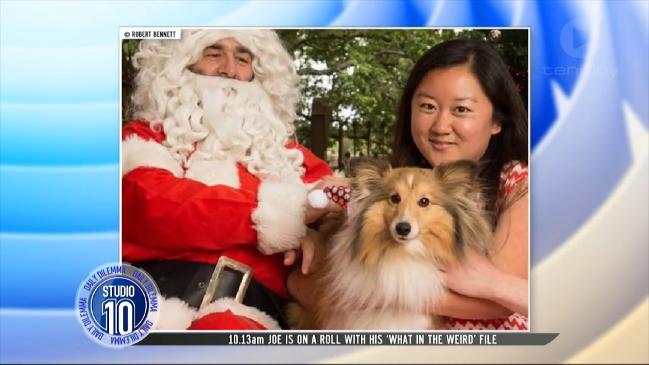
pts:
pixel 403 228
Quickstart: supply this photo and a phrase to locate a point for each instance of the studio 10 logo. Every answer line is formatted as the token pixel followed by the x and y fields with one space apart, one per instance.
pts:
pixel 117 305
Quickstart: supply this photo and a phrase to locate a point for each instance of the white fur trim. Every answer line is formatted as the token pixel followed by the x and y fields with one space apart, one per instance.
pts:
pixel 214 172
pixel 279 217
pixel 136 152
pixel 318 199
pixel 223 304
pixel 174 314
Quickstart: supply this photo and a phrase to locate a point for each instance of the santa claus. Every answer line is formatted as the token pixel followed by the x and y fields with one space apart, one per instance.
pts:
pixel 213 189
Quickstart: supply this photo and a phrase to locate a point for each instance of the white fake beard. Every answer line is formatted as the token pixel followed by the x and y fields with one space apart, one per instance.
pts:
pixel 241 123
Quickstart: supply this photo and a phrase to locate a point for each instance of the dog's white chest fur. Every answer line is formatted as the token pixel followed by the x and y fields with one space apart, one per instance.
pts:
pixel 398 296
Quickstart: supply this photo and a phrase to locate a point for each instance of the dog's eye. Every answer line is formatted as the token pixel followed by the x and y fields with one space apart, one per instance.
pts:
pixel 395 198
pixel 423 202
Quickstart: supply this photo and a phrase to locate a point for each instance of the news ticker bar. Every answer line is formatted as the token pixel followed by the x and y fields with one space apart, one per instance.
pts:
pixel 291 338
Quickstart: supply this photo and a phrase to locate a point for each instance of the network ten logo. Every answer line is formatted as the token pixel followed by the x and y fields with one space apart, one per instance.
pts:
pixel 575 40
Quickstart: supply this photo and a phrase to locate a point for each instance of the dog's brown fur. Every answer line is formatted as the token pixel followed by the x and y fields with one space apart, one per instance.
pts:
pixel 369 275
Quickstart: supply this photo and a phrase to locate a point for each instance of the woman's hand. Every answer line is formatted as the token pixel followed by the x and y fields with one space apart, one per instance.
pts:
pixel 300 285
pixel 500 281
pixel 307 251
pixel 476 276
pixel 473 276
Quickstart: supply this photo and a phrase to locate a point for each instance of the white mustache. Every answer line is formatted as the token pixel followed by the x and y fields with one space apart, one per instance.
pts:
pixel 241 122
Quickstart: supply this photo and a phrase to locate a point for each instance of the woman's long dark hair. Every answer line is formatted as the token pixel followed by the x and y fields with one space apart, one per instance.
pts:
pixel 496 82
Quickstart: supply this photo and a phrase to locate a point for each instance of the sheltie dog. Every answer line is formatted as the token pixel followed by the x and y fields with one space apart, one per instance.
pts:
pixel 379 265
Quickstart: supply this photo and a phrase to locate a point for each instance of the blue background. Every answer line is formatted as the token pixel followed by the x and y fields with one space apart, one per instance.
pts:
pixel 59 155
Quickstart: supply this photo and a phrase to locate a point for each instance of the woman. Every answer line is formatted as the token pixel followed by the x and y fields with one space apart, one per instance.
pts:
pixel 460 103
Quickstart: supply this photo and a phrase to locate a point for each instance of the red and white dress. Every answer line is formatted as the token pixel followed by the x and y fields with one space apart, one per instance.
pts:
pixel 512 175
pixel 168 216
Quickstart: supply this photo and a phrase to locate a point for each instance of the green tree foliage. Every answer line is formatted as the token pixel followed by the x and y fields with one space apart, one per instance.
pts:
pixel 513 46
pixel 361 74
pixel 129 47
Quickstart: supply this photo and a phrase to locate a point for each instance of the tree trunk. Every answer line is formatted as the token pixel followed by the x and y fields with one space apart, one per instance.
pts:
pixel 354 137
pixel 369 140
pixel 320 124
pixel 383 134
pixel 341 149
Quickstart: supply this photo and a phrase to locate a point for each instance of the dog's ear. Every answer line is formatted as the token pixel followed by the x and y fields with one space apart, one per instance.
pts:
pixel 462 183
pixel 471 227
pixel 460 177
pixel 368 166
pixel 368 175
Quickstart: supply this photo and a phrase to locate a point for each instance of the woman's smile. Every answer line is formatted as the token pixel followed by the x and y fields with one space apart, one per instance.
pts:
pixel 441 145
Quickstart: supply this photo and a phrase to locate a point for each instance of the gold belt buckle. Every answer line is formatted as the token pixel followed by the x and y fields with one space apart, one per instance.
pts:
pixel 214 281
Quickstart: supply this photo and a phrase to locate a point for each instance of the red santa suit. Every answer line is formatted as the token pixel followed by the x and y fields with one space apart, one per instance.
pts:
pixel 167 216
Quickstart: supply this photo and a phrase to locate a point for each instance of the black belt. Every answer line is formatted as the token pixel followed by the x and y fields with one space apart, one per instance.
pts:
pixel 189 281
